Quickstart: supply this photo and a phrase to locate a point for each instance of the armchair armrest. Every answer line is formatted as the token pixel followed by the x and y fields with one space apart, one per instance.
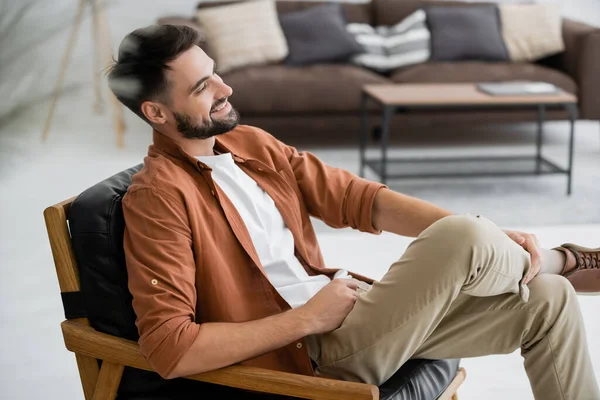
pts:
pixel 581 60
pixel 85 340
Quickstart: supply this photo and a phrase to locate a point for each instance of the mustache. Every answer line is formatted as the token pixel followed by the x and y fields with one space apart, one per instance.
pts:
pixel 218 102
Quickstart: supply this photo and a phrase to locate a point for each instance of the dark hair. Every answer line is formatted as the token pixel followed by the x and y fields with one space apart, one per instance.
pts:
pixel 138 74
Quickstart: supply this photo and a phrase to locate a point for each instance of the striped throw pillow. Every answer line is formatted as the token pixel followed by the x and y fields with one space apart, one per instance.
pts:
pixel 388 48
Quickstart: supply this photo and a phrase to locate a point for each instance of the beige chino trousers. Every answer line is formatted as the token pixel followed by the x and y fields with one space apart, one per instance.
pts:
pixel 457 292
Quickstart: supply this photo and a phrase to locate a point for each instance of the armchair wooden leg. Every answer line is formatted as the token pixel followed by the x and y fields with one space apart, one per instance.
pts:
pixel 88 372
pixel 450 392
pixel 108 381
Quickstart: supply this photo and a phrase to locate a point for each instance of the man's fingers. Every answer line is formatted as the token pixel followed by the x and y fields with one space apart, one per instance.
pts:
pixel 532 246
pixel 518 238
pixel 350 283
pixel 515 237
pixel 533 250
pixel 533 271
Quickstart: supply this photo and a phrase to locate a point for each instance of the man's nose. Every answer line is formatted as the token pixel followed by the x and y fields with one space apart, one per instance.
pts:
pixel 224 91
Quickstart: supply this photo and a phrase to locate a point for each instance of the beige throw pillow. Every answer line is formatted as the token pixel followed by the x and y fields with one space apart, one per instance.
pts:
pixel 531 31
pixel 243 34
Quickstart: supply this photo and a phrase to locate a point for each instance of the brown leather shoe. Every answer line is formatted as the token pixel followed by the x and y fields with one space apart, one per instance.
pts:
pixel 585 277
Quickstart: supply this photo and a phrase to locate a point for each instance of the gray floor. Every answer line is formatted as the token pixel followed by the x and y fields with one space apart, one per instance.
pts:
pixel 80 151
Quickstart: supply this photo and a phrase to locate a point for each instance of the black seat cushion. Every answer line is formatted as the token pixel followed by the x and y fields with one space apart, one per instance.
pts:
pixel 96 225
pixel 420 380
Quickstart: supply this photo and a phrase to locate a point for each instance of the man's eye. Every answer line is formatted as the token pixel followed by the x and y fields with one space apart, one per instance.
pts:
pixel 200 89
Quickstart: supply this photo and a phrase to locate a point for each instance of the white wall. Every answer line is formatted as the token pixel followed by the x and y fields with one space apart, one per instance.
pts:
pixel 29 72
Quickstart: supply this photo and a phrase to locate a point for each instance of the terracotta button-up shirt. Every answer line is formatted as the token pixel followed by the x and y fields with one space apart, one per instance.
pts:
pixel 190 258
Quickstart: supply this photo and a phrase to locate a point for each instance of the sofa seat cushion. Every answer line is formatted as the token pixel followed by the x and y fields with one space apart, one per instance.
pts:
pixel 278 89
pixel 462 72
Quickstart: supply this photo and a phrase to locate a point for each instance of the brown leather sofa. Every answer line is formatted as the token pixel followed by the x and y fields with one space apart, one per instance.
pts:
pixel 319 104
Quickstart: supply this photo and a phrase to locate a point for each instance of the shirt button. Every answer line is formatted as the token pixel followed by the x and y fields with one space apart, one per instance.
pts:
pixel 154 281
pixel 299 345
pixel 213 192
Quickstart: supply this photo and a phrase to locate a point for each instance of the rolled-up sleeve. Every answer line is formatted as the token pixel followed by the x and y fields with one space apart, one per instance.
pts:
pixel 161 273
pixel 337 197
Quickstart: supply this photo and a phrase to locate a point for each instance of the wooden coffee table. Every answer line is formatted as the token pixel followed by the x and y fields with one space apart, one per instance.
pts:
pixel 395 98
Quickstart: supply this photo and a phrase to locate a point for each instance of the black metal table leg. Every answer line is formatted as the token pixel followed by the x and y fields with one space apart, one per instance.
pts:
pixel 541 114
pixel 388 111
pixel 572 109
pixel 363 133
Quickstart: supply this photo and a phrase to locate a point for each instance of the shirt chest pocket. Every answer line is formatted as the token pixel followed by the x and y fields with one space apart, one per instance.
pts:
pixel 288 175
pixel 290 179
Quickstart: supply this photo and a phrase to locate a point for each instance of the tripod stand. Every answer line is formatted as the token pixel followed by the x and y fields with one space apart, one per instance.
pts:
pixel 102 58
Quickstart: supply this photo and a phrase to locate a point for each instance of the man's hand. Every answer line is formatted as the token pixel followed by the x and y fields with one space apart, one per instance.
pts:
pixel 219 344
pixel 329 307
pixel 530 243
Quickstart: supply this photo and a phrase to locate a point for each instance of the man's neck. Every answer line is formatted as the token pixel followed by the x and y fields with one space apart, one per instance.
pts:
pixel 198 147
pixel 194 147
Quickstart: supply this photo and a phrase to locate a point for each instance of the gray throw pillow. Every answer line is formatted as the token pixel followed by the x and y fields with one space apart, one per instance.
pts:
pixel 317 35
pixel 466 33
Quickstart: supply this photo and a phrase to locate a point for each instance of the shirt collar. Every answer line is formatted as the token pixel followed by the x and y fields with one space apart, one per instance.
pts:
pixel 169 146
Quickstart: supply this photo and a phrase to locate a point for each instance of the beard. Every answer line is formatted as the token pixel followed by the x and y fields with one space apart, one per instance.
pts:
pixel 192 130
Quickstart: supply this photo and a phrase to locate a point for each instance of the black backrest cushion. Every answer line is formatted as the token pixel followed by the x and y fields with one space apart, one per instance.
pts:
pixel 96 224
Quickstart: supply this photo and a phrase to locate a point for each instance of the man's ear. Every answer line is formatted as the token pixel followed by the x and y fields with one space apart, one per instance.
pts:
pixel 154 112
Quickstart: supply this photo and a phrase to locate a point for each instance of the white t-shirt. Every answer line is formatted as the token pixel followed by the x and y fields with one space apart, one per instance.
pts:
pixel 272 240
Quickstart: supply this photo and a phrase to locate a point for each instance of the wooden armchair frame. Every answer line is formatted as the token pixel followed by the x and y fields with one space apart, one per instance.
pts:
pixel 101 383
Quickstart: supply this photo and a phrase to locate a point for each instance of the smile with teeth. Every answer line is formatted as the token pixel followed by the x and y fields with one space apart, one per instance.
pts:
pixel 220 107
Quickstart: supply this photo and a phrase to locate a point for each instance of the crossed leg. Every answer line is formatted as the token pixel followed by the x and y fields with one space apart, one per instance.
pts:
pixel 457 292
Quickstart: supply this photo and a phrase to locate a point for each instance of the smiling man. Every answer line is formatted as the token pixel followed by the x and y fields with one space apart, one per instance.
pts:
pixel 224 265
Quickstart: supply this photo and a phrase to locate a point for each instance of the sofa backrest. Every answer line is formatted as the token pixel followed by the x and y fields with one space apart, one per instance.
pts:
pixel 354 12
pixel 390 12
